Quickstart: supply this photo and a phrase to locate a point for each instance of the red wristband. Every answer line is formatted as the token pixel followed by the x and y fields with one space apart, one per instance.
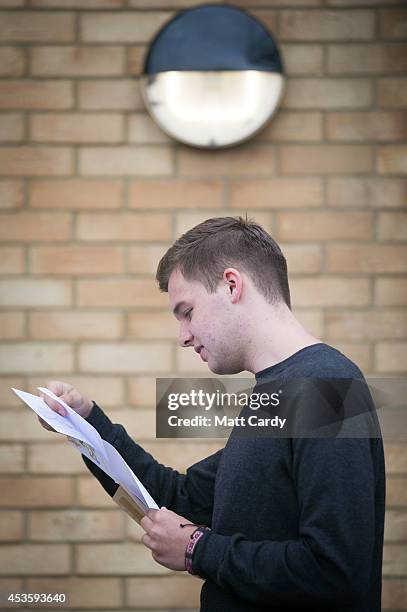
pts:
pixel 193 541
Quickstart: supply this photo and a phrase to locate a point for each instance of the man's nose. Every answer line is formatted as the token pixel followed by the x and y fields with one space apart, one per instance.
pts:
pixel 185 337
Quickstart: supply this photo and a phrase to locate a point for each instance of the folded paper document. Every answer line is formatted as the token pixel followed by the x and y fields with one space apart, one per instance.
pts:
pixel 131 494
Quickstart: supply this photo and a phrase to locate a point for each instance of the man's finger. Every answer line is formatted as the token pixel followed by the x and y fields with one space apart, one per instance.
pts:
pixel 146 523
pixel 151 513
pixel 45 424
pixel 147 541
pixel 53 404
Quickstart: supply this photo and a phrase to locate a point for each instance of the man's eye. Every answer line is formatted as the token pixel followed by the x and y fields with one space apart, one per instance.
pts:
pixel 188 314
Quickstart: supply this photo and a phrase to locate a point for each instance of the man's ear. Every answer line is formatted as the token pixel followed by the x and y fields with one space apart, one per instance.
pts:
pixel 234 284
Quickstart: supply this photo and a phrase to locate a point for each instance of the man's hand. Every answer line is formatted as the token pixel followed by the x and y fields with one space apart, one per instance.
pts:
pixel 81 404
pixel 165 538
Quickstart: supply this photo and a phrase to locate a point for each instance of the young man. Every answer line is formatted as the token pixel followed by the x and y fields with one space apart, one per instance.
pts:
pixel 295 523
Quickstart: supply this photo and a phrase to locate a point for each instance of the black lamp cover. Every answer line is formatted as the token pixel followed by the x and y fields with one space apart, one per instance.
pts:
pixel 213 37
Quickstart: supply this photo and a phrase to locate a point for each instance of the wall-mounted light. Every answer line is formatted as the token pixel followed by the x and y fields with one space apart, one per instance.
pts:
pixel 213 76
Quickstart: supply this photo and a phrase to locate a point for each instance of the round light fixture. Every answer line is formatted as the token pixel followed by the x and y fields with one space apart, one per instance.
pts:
pixel 213 76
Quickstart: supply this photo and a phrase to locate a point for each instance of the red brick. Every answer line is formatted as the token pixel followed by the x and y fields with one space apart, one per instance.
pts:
pixel 185 221
pixel 143 130
pixel 152 325
pixel 28 292
pixel 11 127
pixel 142 391
pixel 123 27
pixel 302 59
pixel 178 194
pixel 396 492
pixel 11 325
pixel 359 2
pixel 367 59
pixel 81 4
pixel 77 61
pixel 391 291
pixel 11 194
pixel 392 92
pixel 34 227
pixel 19 426
pixel 327 25
pixel 135 59
pixel 396 457
pixel 325 159
pixel 394 594
pixel 365 324
pixel 54 458
pixel 108 389
pixel 108 94
pixel 75 194
pixel 362 126
pixel 329 291
pixel 174 590
pixel 12 61
pixel 245 160
pixel 35 95
pixel 34 559
pixel 12 458
pixel 124 226
pixel 120 293
pixel 312 320
pixel 361 354
pixel 84 593
pixel 324 226
pixel 76 260
pixel 321 94
pixel 76 127
pixel 392 159
pixel 293 127
pixel 143 259
pixel 36 357
pixel 393 23
pixel 7 397
pixel 276 193
pixel 302 258
pixel 391 357
pixel 116 559
pixel 75 325
pixel 35 492
pixel 35 161
pixel 266 17
pixel 133 161
pixel 367 259
pixel 392 226
pixel 395 526
pixel 11 260
pixel 9 585
pixel 75 525
pixel 91 494
pixel 371 192
pixel 129 357
pixel 11 526
pixel 30 26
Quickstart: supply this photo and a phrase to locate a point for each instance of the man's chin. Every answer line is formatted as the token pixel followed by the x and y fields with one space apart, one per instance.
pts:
pixel 222 369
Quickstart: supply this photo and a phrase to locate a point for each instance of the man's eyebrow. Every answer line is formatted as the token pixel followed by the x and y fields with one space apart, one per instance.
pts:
pixel 178 308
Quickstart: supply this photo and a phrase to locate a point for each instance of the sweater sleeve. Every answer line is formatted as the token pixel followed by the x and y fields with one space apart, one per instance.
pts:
pixel 329 561
pixel 190 494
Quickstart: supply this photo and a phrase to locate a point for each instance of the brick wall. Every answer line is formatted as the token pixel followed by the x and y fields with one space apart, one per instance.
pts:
pixel 92 193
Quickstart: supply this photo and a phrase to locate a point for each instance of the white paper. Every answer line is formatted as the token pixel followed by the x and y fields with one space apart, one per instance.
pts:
pixel 85 439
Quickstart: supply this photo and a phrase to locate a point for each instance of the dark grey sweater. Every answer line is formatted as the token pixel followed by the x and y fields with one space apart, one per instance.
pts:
pixel 297 523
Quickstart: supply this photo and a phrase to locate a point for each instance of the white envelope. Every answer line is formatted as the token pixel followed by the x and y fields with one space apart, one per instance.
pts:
pixel 84 438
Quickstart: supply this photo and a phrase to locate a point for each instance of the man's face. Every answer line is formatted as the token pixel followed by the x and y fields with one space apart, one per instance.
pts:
pixel 208 323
